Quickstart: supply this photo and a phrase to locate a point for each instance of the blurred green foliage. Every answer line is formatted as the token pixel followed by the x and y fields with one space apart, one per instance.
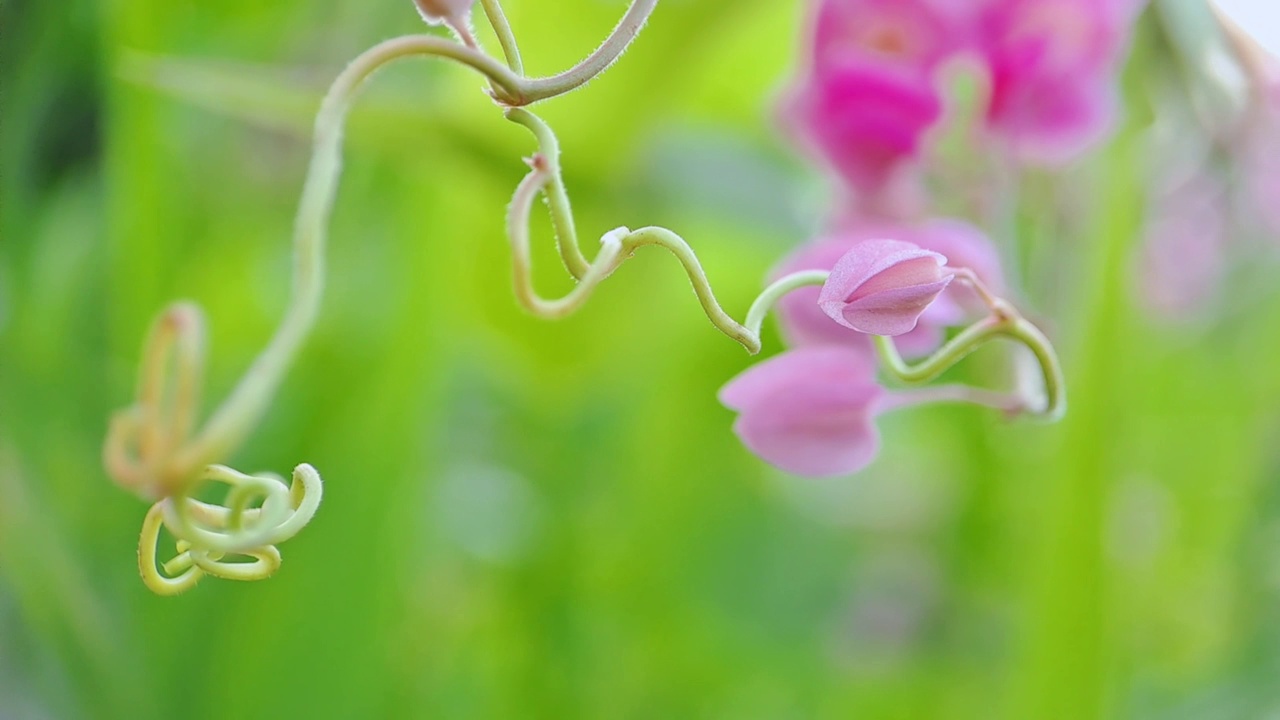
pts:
pixel 554 520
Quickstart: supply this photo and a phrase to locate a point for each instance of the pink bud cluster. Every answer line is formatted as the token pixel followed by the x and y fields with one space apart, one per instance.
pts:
pixel 811 410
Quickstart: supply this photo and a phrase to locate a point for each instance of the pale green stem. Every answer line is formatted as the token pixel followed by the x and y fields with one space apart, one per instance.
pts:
pixel 507 39
pixel 266 561
pixel 1007 324
pixel 596 63
pixel 775 292
pixel 1055 385
pixel 522 264
pixel 557 197
pixel 284 512
pixel 676 245
pixel 147 567
pixel 944 358
pixel 246 404
pixel 617 246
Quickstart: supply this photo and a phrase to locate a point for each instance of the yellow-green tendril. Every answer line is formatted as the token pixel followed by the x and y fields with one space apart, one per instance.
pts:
pixel 206 535
pixel 154 446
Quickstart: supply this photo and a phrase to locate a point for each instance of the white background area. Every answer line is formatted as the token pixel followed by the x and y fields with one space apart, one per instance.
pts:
pixel 1259 18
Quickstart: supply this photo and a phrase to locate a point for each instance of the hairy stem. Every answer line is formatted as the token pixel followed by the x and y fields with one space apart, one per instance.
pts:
pixel 553 186
pixel 597 62
pixel 617 245
pixel 507 39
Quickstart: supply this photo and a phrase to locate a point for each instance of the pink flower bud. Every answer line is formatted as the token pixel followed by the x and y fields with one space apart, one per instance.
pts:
pixel 809 411
pixel 881 287
pixel 804 323
pixel 436 12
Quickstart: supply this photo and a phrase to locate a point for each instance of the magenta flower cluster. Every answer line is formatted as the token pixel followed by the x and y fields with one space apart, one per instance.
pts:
pixel 873 88
pixel 872 93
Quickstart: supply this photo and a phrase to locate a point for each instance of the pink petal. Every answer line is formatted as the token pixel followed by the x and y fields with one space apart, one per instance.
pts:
pixel 891 312
pixel 882 286
pixel 802 320
pixel 864 120
pixel 808 411
pixel 1054 65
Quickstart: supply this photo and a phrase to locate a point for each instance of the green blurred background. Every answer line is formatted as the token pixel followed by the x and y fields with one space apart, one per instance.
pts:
pixel 525 519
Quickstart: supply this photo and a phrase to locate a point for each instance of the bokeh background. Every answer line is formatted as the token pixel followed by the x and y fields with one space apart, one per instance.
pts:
pixel 525 519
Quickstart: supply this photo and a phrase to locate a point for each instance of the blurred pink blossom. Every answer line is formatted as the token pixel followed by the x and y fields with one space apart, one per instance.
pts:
pixel 881 286
pixel 863 119
pixel 804 323
pixel 809 411
pixel 1184 256
pixel 904 33
pixel 869 93
pixel 1053 68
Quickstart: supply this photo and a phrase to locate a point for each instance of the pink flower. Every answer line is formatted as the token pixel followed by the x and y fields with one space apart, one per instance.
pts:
pixel 1184 257
pixel 864 120
pixel 869 96
pixel 809 411
pixel 1053 65
pixel 903 33
pixel 882 287
pixel 804 323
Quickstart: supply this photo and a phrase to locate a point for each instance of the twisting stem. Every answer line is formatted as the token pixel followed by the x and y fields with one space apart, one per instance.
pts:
pixel 1007 324
pixel 522 264
pixel 944 358
pixel 241 410
pixel 616 245
pixel 507 39
pixel 599 61
pixel 775 292
pixel 1055 386
pixel 701 286
pixel 557 196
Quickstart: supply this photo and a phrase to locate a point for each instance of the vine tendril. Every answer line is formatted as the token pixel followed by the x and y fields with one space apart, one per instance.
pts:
pixel 156 448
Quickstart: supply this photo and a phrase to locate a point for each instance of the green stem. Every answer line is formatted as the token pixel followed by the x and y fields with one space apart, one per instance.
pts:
pixel 945 357
pixel 599 61
pixel 1055 386
pixel 618 245
pixel 1008 324
pixel 249 400
pixel 772 294
pixel 522 263
pixel 507 39
pixel 677 246
pixel 557 197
